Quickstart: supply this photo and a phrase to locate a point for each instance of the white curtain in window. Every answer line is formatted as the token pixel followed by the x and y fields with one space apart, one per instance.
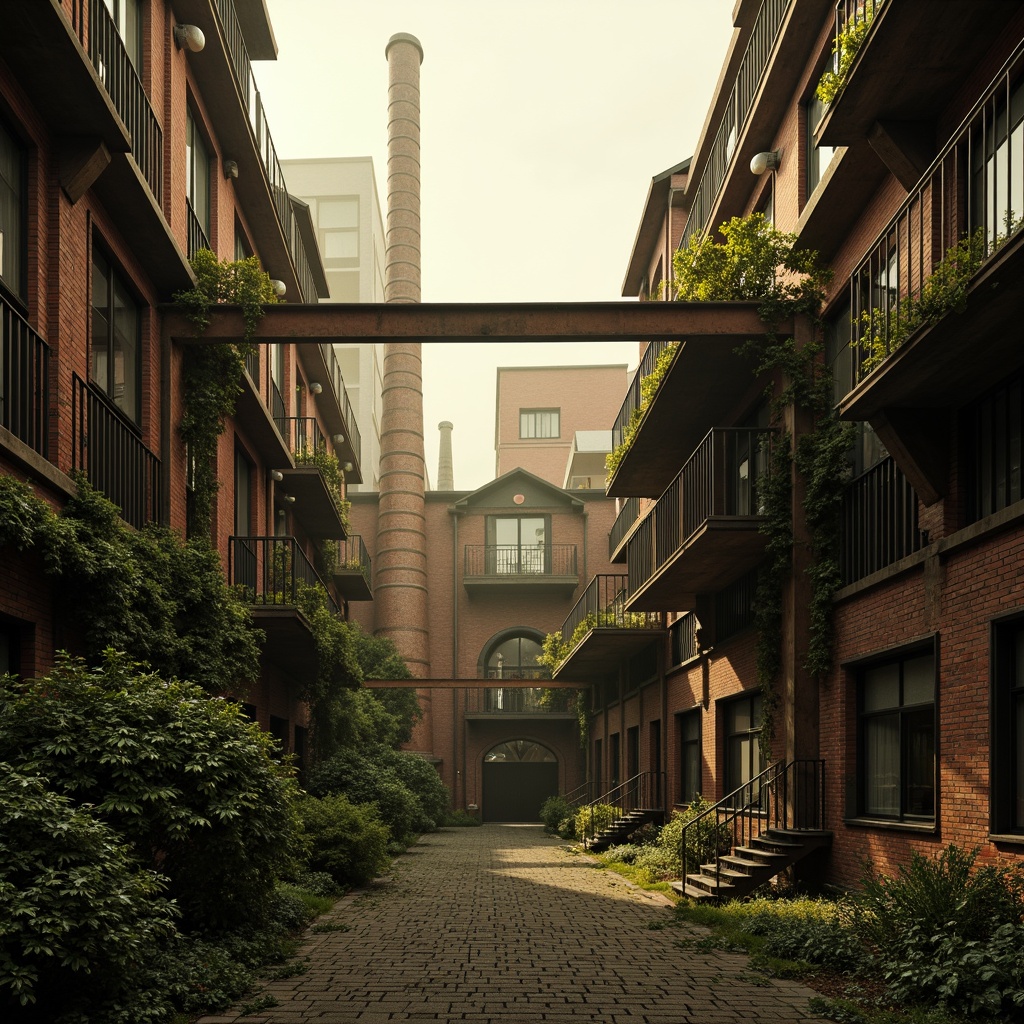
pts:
pixel 882 754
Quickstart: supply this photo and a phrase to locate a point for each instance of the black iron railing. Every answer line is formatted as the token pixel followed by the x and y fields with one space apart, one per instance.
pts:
pixel 643 792
pixel 113 457
pixel 518 672
pixel 252 365
pixel 734 117
pixel 628 515
pixel 24 381
pixel 720 479
pixel 683 638
pixel 513 560
pixel 631 403
pixel 352 556
pixel 274 571
pixel 879 521
pixel 603 605
pixel 784 796
pixel 972 195
pixel 347 412
pixel 107 52
pixel 302 434
pixel 277 407
pixel 519 701
pixel 196 232
pixel 581 795
pixel 851 16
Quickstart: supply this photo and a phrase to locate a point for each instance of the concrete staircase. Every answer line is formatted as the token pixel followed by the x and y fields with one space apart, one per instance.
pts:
pixel 622 828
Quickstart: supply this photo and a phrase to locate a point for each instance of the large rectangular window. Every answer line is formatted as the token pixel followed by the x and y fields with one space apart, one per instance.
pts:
pixel 689 755
pixel 743 760
pixel 128 19
pixel 12 213
pixel 994 427
pixel 997 165
pixel 1008 727
pixel 818 157
pixel 517 544
pixel 116 325
pixel 897 738
pixel 198 163
pixel 535 423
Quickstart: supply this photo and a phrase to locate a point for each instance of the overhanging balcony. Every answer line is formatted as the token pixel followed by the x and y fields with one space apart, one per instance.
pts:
pixel 257 407
pixel 703 532
pixel 318 500
pixel 622 529
pixel 600 633
pixel 520 568
pixel 709 378
pixel 352 571
pixel 907 379
pixel 521 702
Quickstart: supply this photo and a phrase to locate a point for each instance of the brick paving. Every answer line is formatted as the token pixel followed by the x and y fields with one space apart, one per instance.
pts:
pixel 503 925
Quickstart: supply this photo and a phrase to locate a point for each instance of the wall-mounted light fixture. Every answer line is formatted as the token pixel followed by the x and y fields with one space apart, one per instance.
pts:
pixel 338 438
pixel 230 168
pixel 761 162
pixel 279 288
pixel 290 498
pixel 315 387
pixel 189 37
pixel 347 467
pixel 276 475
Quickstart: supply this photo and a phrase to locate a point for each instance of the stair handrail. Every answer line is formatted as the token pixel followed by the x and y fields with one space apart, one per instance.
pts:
pixel 644 790
pixel 575 798
pixel 775 798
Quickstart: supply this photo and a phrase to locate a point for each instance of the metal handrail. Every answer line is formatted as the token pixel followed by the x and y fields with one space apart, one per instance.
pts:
pixel 24 381
pixel 273 571
pixel 633 397
pixel 628 515
pixel 515 560
pixel 778 797
pixel 642 792
pixel 603 604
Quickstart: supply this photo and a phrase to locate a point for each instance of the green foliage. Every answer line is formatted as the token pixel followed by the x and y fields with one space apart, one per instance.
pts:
pixel 846 46
pixel 189 782
pixel 460 819
pixel 78 915
pixel 334 478
pixel 347 841
pixel 554 811
pixel 594 818
pixel 212 374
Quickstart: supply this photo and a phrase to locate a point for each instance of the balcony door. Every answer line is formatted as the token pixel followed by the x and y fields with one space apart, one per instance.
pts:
pixel 518 545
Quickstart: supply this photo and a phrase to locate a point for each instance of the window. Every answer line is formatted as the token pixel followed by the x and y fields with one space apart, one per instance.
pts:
pixel 338 227
pixel 198 162
pixel 818 157
pixel 515 657
pixel 994 427
pixel 517 545
pixel 116 319
pixel 1008 727
pixel 12 213
pixel 743 760
pixel 897 738
pixel 128 19
pixel 997 174
pixel 689 755
pixel 535 423
pixel 519 751
pixel 243 495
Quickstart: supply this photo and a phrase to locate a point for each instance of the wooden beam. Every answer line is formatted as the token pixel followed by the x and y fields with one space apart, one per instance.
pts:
pixel 82 161
pixel 918 439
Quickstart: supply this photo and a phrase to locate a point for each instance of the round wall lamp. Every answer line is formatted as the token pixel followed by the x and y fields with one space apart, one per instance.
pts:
pixel 189 37
pixel 279 288
pixel 316 387
pixel 761 162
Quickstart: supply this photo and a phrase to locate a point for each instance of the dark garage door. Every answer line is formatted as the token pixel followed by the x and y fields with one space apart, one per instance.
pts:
pixel 514 790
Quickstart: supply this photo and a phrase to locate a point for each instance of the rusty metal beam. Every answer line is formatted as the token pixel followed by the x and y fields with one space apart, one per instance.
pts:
pixel 497 322
pixel 470 684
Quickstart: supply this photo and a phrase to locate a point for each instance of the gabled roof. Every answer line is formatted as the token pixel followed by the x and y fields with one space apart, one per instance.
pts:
pixel 536 492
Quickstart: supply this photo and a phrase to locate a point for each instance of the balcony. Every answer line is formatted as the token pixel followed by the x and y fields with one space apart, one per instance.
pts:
pixel 622 529
pixel 929 337
pixel 521 702
pixel 708 380
pixel 257 408
pixel 112 456
pixel 274 576
pixel 315 479
pixel 196 232
pixel 323 366
pixel 351 570
pixel 599 633
pixel 879 522
pixel 24 381
pixel 703 532
pixel 542 569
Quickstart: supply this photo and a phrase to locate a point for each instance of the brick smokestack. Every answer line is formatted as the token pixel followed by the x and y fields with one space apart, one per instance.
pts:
pixel 400 564
pixel 445 466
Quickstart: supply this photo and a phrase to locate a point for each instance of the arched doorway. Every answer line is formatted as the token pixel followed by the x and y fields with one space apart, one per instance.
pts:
pixel 518 776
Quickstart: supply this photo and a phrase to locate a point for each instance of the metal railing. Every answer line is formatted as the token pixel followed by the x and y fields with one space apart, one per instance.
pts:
pixel 274 571
pixel 683 639
pixel 603 604
pixel 252 365
pixel 302 434
pixel 628 515
pixel 643 792
pixel 719 479
pixel 850 14
pixel 196 232
pixel 113 457
pixel 734 118
pixel 784 796
pixel 504 560
pixel 517 701
pixel 581 795
pixel 277 407
pixel 24 381
pixel 973 193
pixel 107 52
pixel 879 521
pixel 631 403
pixel 351 555
pixel 347 412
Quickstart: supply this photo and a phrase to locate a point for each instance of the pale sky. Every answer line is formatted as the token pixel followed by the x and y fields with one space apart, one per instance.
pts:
pixel 543 122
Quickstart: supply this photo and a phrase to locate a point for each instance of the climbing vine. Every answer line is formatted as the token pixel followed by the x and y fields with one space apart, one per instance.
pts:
pixel 333 474
pixel 212 374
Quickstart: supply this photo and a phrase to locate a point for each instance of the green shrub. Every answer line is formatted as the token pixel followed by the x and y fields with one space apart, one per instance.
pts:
pixel 78 916
pixel 189 782
pixel 347 841
pixel 554 811
pixel 591 820
pixel 812 931
pixel 461 819
pixel 420 777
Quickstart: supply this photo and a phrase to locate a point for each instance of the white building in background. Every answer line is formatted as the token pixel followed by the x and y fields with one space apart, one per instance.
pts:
pixel 342 197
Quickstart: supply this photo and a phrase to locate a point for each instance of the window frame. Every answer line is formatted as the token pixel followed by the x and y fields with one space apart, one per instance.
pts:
pixel 537 417
pixel 492 546
pixel 195 146
pixel 15 283
pixel 115 278
pixel 814 111
pixel 1006 755
pixel 695 746
pixel 756 762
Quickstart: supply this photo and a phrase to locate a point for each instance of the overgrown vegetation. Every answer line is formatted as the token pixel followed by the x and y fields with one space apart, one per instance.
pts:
pixel 846 46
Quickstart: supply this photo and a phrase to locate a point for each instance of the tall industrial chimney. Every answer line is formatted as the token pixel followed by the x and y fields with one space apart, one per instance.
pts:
pixel 445 466
pixel 400 564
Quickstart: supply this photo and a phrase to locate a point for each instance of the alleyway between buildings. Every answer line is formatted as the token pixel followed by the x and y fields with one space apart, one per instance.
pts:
pixel 503 924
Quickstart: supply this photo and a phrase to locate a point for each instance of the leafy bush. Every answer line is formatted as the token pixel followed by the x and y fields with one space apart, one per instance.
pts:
pixel 189 782
pixel 593 819
pixel 808 930
pixel 420 777
pixel 553 812
pixel 461 819
pixel 348 841
pixel 78 916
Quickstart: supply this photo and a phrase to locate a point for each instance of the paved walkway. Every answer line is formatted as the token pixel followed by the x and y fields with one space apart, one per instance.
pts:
pixel 503 924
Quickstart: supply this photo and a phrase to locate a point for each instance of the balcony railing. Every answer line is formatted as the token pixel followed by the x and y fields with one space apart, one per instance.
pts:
pixel 347 412
pixel 302 434
pixel 351 556
pixel 24 381
pixel 683 639
pixel 277 407
pixel 720 479
pixel 532 700
pixel 110 58
pixel 252 365
pixel 879 521
pixel 850 16
pixel 631 403
pixel 734 118
pixel 973 193
pixel 628 515
pixel 273 571
pixel 502 561
pixel 603 605
pixel 113 457
pixel 196 232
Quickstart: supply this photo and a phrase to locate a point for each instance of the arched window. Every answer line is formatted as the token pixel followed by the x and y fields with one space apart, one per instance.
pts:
pixel 512 751
pixel 512 654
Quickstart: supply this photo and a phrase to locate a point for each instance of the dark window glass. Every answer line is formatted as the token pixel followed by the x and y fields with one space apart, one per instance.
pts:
pixel 743 760
pixel 12 213
pixel 689 755
pixel 1008 727
pixel 198 162
pixel 994 427
pixel 818 157
pixel 116 323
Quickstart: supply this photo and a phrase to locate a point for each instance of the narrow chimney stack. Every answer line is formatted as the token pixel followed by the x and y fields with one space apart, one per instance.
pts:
pixel 445 466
